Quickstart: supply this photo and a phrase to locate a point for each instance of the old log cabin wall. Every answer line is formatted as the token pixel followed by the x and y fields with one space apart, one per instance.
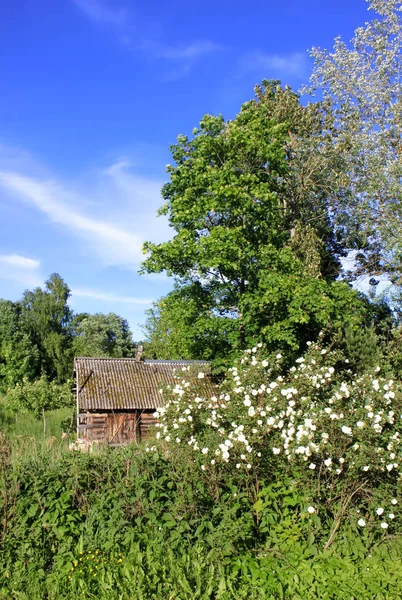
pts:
pixel 116 398
pixel 116 428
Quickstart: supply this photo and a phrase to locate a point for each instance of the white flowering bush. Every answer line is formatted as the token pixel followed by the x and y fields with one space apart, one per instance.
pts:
pixel 317 416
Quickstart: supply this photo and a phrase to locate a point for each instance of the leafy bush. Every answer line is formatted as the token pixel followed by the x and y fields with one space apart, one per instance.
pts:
pixel 38 396
pixel 337 432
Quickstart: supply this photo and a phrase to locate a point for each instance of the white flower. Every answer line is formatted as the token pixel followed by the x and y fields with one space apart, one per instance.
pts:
pixel 247 402
pixel 361 522
pixel 205 450
pixel 323 351
pixel 201 375
pixel 276 450
pixel 311 510
pixel 347 430
pixel 178 440
pixel 394 501
pixel 379 511
pixel 278 356
pixel 328 462
pixel 391 516
pixel 213 461
pixel 203 467
pixel 264 363
pixel 238 466
pixel 312 466
pixel 360 424
pixel 384 525
pixel 366 468
pixel 248 466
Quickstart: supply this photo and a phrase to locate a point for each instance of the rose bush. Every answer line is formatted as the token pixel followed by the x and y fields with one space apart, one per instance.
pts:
pixel 330 429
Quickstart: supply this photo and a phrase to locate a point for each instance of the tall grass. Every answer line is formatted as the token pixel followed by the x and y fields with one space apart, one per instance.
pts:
pixel 25 432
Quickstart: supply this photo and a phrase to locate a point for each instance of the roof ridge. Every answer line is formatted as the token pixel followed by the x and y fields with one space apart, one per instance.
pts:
pixel 147 361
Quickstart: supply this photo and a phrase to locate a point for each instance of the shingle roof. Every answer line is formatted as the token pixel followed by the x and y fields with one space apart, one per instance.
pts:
pixel 124 383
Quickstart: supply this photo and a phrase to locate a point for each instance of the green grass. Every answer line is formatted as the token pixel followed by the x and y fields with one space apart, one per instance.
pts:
pixel 25 431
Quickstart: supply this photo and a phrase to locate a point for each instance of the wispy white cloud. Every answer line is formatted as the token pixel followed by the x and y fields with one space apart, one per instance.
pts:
pixel 107 297
pixel 103 14
pixel 114 215
pixel 295 64
pixel 21 270
pixel 182 58
pixel 116 245
pixel 192 51
pixel 15 260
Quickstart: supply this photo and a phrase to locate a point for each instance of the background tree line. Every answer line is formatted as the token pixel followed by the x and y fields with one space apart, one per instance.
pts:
pixel 40 335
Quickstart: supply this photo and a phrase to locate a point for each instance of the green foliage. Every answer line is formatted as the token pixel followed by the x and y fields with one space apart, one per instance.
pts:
pixel 254 253
pixel 184 325
pixel 40 335
pixel 361 79
pixel 102 335
pixel 104 525
pixel 19 356
pixel 39 396
pixel 46 317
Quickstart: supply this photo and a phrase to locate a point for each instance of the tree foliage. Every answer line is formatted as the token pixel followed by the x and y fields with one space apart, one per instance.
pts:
pixel 40 334
pixel 254 253
pixel 46 317
pixel 363 83
pixel 102 335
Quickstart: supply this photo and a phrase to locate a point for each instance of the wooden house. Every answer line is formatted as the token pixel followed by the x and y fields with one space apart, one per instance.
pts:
pixel 116 397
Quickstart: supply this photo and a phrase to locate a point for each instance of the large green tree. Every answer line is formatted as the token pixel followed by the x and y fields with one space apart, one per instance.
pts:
pixel 254 248
pixel 19 356
pixel 362 82
pixel 46 319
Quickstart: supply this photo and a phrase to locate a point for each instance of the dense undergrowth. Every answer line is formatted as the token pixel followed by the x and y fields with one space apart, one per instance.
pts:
pixel 131 524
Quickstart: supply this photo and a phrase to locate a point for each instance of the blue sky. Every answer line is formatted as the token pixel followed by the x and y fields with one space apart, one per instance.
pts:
pixel 92 93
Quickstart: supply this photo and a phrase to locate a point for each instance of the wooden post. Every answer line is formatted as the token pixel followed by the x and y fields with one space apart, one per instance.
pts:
pixel 77 401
